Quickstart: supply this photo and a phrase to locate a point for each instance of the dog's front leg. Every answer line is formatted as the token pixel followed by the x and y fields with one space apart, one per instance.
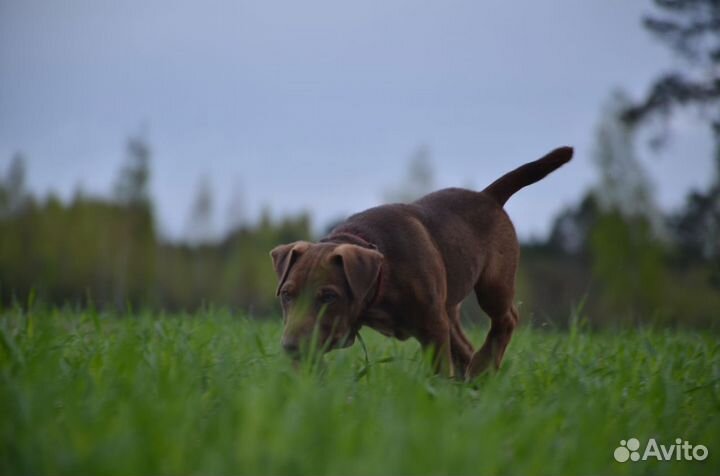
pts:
pixel 435 341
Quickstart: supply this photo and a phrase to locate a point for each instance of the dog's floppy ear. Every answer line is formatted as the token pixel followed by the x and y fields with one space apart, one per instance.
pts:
pixel 361 266
pixel 284 256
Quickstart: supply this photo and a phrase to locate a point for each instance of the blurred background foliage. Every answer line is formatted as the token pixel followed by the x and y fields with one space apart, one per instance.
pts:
pixel 614 252
pixel 107 251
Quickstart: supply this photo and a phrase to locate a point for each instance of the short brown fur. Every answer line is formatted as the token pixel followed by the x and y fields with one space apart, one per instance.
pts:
pixel 404 269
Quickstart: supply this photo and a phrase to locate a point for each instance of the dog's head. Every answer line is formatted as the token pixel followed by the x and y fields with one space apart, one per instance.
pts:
pixel 323 288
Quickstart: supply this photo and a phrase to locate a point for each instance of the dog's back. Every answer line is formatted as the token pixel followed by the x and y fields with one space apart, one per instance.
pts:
pixel 471 229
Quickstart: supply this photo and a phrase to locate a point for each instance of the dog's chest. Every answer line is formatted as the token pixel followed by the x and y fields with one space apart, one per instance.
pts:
pixel 385 325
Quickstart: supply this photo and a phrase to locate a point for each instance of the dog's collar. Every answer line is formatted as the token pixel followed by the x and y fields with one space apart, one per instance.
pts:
pixel 378 288
pixel 352 238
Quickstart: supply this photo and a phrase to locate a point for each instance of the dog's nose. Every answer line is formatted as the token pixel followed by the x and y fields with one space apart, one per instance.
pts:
pixel 291 346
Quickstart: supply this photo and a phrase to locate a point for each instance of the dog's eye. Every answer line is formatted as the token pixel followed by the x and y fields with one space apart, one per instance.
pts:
pixel 285 296
pixel 328 296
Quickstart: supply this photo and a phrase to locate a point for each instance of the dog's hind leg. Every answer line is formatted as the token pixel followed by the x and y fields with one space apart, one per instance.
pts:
pixel 460 346
pixel 496 301
pixel 497 340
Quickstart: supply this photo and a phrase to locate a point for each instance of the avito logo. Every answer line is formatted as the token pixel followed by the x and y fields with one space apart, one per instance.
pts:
pixel 680 451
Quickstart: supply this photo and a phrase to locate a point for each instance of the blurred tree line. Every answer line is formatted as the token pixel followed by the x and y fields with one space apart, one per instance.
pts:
pixel 107 252
pixel 614 251
pixel 618 254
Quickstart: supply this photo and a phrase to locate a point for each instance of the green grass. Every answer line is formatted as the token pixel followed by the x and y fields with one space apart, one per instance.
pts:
pixel 82 393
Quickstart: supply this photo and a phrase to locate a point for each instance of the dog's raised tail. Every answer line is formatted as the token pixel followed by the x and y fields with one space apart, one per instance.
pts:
pixel 504 187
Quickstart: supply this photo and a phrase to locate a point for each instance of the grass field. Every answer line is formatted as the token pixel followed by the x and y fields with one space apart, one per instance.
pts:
pixel 83 393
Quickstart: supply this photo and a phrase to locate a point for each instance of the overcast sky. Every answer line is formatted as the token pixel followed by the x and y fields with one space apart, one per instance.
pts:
pixel 318 105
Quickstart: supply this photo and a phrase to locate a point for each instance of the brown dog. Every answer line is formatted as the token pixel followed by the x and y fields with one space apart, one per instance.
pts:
pixel 404 269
